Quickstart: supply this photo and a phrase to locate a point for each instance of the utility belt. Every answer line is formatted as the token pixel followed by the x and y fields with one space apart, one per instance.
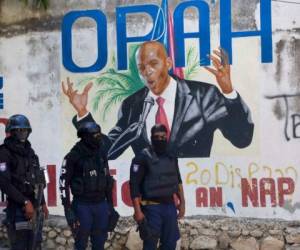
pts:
pixel 156 201
pixel 148 202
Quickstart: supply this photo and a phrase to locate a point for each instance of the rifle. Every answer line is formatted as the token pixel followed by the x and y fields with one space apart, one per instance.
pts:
pixel 38 218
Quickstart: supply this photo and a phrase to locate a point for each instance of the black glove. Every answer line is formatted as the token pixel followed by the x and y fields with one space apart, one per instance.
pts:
pixel 110 183
pixel 113 218
pixel 72 221
pixel 70 217
pixel 109 187
pixel 144 230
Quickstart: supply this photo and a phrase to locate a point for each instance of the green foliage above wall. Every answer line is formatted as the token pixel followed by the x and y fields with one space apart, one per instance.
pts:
pixel 38 3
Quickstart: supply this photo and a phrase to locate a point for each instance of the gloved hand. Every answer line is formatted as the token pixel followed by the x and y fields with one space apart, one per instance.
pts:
pixel 144 230
pixel 113 217
pixel 72 220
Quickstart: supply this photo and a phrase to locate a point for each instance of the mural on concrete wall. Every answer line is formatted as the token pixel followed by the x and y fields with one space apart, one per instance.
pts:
pixel 239 162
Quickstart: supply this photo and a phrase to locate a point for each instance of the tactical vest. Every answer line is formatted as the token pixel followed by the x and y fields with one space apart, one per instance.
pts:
pixel 26 173
pixel 92 179
pixel 161 178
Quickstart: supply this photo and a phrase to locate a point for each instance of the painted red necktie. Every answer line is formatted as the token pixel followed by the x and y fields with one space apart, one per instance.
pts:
pixel 161 116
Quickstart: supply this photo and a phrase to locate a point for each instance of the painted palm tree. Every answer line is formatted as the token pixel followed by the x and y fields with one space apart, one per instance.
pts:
pixel 113 86
pixel 192 67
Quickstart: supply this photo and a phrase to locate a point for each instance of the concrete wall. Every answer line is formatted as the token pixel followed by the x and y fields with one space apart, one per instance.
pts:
pixel 32 70
pixel 201 232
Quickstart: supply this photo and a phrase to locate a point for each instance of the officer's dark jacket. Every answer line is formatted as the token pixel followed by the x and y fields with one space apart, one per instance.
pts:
pixel 85 171
pixel 19 171
pixel 154 177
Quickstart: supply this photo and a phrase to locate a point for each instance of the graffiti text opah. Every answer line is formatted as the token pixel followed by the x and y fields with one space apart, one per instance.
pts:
pixel 180 36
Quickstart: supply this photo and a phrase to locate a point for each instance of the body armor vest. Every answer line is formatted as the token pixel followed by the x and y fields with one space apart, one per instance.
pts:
pixel 161 178
pixel 91 178
pixel 26 173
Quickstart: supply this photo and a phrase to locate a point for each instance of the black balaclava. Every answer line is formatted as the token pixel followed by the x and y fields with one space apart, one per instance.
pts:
pixel 159 145
pixel 92 140
pixel 20 135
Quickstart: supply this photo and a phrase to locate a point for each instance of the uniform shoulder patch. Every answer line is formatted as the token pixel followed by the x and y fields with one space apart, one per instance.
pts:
pixel 135 167
pixel 3 166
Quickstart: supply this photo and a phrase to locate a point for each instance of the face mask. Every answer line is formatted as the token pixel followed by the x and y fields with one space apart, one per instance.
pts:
pixel 159 146
pixel 21 135
pixel 92 140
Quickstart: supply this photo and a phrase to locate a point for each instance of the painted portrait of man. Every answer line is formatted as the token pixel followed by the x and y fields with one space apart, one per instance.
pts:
pixel 191 110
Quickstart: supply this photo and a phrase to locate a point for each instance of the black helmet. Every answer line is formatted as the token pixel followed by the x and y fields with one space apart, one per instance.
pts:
pixel 88 128
pixel 17 121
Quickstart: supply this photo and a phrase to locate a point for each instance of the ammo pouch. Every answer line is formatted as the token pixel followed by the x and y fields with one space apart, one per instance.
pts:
pixel 85 185
pixel 95 183
pixel 77 186
pixel 27 174
pixel 25 184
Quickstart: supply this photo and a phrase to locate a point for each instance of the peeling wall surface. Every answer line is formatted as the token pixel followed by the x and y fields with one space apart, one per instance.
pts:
pixel 261 180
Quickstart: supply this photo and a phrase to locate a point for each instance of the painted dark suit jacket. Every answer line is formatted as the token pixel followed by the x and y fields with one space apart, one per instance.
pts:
pixel 200 109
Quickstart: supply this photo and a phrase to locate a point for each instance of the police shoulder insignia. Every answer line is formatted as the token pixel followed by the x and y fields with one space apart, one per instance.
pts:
pixel 2 166
pixel 136 167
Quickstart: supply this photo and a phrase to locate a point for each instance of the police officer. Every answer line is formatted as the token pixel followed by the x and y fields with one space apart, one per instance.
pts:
pixel 20 175
pixel 154 183
pixel 85 171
